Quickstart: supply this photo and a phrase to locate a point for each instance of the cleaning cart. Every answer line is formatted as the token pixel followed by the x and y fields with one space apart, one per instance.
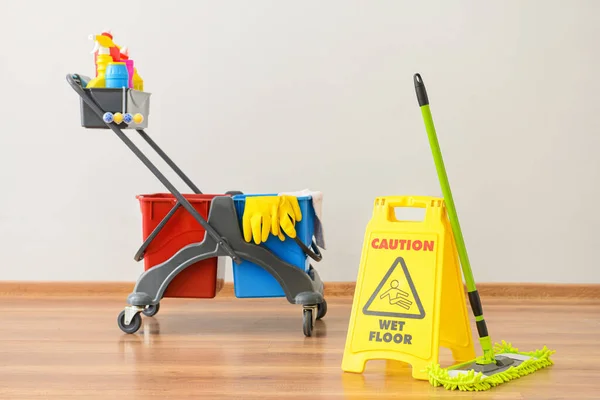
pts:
pixel 188 236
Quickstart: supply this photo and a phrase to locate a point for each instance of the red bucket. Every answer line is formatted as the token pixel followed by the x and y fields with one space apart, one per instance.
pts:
pixel 203 279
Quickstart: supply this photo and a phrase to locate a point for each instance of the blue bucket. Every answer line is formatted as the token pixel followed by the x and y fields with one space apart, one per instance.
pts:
pixel 116 75
pixel 251 280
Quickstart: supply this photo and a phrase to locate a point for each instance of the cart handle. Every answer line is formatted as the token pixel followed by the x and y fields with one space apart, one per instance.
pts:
pixel 139 255
pixel 99 112
pixel 169 162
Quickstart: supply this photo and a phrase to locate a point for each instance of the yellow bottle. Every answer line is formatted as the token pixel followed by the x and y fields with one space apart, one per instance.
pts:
pixel 99 81
pixel 138 82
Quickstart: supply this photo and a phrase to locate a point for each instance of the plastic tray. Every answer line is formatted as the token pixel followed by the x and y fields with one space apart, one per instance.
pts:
pixel 113 100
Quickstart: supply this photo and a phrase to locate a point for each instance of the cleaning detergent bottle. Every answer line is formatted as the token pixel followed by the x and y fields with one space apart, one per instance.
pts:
pixel 138 82
pixel 108 34
pixel 128 64
pixel 102 49
pixel 116 76
pixel 135 80
pixel 100 80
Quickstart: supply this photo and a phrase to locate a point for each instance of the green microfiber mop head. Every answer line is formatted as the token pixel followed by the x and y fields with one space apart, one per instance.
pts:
pixel 461 377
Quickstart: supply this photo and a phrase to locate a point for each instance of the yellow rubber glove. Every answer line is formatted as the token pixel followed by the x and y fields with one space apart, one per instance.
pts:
pixel 260 218
pixel 288 214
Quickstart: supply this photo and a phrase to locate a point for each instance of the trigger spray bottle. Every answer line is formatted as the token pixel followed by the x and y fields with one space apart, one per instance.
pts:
pixel 135 80
pixel 129 63
pixel 102 52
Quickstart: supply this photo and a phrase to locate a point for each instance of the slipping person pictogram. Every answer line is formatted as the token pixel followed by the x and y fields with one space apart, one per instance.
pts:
pixel 399 298
pixel 396 290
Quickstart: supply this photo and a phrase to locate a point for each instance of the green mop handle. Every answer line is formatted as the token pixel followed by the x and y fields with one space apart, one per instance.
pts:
pixel 474 300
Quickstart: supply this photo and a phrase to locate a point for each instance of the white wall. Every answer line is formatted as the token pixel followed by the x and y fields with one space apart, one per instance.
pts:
pixel 272 96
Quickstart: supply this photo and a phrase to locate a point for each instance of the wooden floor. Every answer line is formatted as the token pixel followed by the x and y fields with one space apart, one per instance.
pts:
pixel 225 348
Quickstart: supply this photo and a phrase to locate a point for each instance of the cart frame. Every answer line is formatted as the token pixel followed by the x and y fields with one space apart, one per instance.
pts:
pixel 223 238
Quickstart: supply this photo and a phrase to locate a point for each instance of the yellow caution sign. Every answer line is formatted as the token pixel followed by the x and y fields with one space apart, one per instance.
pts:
pixel 409 299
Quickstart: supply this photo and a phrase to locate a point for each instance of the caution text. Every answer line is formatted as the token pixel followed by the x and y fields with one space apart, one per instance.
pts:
pixel 393 336
pixel 402 244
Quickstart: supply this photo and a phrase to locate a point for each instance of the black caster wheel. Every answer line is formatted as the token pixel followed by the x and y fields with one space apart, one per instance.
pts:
pixel 322 309
pixel 133 326
pixel 307 322
pixel 151 310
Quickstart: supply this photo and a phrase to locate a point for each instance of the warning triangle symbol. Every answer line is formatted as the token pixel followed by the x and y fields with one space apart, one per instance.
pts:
pixel 395 296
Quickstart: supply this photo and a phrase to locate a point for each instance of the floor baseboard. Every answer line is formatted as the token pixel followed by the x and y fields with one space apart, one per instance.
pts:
pixel 332 289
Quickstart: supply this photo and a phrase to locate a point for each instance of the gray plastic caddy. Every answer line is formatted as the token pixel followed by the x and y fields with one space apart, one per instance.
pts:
pixel 115 100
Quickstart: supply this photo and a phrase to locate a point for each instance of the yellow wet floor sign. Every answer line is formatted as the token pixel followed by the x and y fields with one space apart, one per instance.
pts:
pixel 409 299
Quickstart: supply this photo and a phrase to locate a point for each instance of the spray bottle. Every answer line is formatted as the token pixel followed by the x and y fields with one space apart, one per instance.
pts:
pixel 115 52
pixel 129 63
pixel 102 51
pixel 136 81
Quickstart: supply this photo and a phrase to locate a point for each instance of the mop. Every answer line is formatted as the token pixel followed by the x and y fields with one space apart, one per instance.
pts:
pixel 502 362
